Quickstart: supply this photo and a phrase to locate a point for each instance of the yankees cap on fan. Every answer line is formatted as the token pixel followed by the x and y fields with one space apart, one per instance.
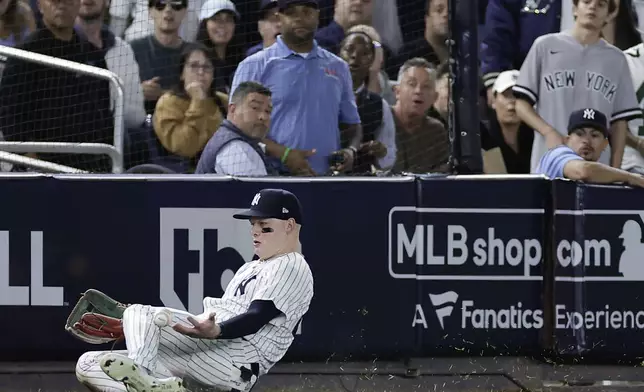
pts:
pixel 284 4
pixel 273 203
pixel 588 117
pixel 505 80
pixel 266 4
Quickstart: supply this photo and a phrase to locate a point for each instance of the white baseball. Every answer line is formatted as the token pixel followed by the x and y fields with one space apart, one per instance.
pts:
pixel 162 318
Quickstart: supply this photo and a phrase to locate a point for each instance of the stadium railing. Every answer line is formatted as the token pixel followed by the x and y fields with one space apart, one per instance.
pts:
pixel 10 150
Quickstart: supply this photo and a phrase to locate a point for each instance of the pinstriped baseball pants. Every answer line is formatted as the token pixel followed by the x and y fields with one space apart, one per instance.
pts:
pixel 165 352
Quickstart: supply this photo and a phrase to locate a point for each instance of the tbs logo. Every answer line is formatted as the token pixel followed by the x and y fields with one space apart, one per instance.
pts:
pixel 200 251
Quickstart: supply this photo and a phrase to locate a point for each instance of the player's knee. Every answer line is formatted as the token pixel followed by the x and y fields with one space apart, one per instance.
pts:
pixel 135 311
pixel 84 365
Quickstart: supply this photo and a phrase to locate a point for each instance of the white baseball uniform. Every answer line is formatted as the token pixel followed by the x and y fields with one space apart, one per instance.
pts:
pixel 633 160
pixel 286 280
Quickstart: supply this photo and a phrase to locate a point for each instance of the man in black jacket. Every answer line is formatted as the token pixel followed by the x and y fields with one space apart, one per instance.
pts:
pixel 46 104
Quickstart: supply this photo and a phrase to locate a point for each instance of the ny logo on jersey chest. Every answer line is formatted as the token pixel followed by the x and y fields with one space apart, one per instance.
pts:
pixel 241 288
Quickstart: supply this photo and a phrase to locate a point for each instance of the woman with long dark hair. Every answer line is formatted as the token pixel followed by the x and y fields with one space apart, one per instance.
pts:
pixel 217 23
pixel 16 22
pixel 186 117
pixel 621 30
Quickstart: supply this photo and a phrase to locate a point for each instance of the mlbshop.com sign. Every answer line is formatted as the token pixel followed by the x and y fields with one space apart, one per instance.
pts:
pixel 497 244
pixel 465 244
pixel 608 245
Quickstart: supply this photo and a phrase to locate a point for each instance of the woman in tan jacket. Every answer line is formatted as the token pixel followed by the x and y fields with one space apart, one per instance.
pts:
pixel 186 117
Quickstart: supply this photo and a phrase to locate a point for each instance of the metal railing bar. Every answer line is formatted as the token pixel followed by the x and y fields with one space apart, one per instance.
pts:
pixel 16 159
pixel 49 61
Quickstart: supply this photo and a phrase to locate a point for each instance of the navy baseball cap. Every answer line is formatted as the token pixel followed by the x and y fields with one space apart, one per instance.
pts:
pixel 588 117
pixel 273 203
pixel 266 4
pixel 284 4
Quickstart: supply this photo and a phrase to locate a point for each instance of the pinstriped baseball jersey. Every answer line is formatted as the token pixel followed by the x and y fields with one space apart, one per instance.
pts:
pixel 635 61
pixel 560 75
pixel 287 281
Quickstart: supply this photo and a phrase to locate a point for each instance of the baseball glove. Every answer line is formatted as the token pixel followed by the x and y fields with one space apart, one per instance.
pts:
pixel 96 318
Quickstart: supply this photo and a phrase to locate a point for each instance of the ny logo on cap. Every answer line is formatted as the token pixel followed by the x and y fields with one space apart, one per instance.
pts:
pixel 589 114
pixel 256 199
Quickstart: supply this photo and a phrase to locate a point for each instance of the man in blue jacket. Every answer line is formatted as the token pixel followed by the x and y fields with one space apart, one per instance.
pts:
pixel 511 28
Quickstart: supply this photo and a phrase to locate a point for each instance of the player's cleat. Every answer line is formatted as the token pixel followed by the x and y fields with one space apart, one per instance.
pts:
pixel 135 378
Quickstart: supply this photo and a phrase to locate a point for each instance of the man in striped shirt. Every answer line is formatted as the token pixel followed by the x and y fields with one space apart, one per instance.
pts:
pixel 238 337
pixel 577 158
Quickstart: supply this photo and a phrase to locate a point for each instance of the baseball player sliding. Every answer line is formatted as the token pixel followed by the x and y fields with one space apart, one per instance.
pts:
pixel 237 338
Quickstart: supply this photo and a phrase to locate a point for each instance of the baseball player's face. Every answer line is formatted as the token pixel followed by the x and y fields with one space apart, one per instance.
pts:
pixel 504 106
pixel 588 143
pixel 269 236
pixel 591 14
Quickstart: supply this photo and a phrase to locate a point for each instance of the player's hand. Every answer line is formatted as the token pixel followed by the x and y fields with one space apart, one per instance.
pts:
pixel 553 138
pixel 297 163
pixel 206 329
pixel 152 89
pixel 373 148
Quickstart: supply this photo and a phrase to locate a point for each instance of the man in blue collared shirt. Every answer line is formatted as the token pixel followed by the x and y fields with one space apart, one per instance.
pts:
pixel 314 107
pixel 577 158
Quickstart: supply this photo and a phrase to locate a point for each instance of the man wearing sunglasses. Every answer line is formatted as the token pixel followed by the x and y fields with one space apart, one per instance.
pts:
pixel 159 54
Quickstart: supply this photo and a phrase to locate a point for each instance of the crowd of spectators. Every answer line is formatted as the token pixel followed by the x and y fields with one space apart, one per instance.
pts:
pixel 304 87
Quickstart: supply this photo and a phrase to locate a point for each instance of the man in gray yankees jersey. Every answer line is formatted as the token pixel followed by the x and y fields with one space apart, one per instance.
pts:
pixel 574 69
pixel 238 337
